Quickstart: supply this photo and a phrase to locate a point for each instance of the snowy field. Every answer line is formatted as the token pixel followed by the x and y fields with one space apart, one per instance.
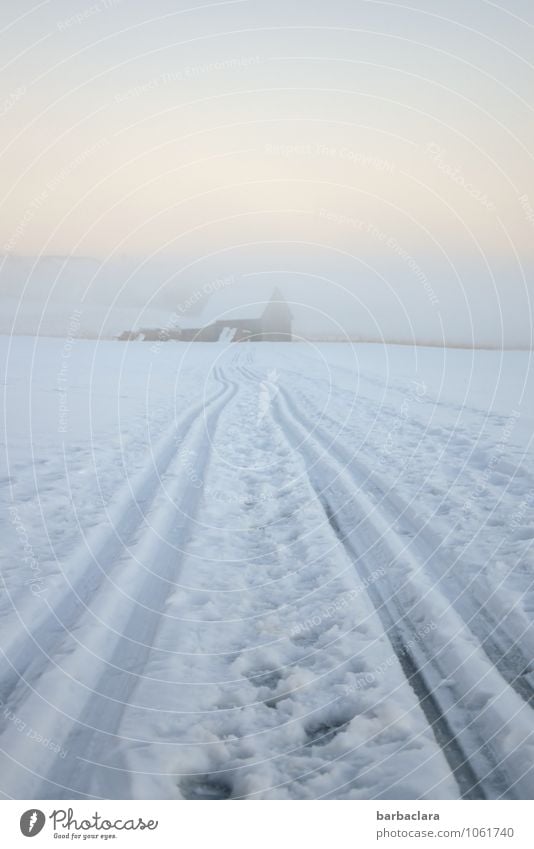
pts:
pixel 266 571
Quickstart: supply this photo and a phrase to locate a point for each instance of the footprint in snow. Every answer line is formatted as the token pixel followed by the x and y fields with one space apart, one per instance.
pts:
pixel 206 787
pixel 265 678
pixel 525 533
pixel 322 733
pixel 305 638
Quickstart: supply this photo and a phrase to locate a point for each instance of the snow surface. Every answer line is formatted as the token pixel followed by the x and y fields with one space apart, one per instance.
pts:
pixel 266 571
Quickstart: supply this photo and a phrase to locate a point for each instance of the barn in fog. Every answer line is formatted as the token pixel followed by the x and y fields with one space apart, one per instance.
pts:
pixel 234 313
pixel 241 315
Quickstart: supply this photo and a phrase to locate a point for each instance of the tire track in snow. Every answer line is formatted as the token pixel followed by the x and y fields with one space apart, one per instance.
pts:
pixel 111 656
pixel 482 772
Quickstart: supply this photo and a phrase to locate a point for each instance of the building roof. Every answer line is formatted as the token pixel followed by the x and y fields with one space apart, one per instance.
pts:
pixel 318 308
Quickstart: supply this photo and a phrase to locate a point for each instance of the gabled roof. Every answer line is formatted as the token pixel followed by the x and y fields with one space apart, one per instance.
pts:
pixel 318 307
pixel 233 301
pixel 190 321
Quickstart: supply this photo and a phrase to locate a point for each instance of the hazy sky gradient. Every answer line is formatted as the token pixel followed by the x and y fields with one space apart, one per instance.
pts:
pixel 366 139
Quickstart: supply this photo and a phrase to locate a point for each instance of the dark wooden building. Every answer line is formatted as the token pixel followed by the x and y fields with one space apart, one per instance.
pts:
pixel 232 315
pixel 256 322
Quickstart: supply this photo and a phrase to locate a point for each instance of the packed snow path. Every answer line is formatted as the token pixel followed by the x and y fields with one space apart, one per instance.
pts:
pixel 271 611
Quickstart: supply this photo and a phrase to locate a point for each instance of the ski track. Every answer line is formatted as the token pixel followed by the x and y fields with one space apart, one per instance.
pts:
pixel 96 642
pixel 501 640
pixel 504 632
pixel 265 616
pixel 480 731
pixel 101 548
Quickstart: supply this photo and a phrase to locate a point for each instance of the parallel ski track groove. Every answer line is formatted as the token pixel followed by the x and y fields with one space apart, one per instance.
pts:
pixel 501 649
pixel 62 776
pixel 46 637
pixel 122 685
pixel 471 784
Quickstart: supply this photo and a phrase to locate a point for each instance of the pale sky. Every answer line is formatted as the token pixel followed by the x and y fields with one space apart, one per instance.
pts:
pixel 367 139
